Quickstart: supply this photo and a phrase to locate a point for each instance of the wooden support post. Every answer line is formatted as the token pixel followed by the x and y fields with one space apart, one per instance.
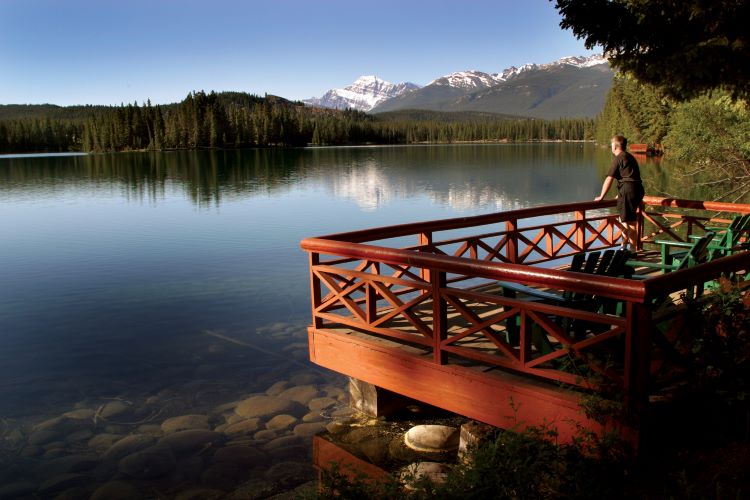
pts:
pixel 371 296
pixel 425 239
pixel 375 401
pixel 315 290
pixel 637 359
pixel 511 226
pixel 581 230
pixel 439 315
pixel 639 223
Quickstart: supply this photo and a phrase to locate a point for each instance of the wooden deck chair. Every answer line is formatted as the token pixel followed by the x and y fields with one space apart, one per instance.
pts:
pixel 611 263
pixel 697 252
pixel 728 239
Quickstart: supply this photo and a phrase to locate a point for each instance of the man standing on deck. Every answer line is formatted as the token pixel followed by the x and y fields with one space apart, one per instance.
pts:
pixel 626 171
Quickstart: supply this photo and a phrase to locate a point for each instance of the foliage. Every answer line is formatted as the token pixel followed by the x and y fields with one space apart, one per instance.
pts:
pixel 234 120
pixel 528 464
pixel 636 110
pixel 721 353
pixel 711 132
pixel 684 47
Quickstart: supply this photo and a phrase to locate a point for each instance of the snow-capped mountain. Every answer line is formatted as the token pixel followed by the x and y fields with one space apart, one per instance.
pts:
pixel 570 86
pixel 468 80
pixel 573 85
pixel 364 94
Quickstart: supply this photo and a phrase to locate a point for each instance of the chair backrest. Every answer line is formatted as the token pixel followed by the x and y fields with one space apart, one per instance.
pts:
pixel 737 229
pixel 698 252
pixel 618 265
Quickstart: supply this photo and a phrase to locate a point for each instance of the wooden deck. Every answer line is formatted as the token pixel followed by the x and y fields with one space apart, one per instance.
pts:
pixel 428 321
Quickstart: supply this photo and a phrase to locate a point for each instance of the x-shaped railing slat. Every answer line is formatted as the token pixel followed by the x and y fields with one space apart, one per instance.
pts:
pixel 484 326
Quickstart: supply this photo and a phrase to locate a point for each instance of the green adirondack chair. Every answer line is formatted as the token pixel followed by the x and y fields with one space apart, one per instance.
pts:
pixel 611 263
pixel 727 240
pixel 696 252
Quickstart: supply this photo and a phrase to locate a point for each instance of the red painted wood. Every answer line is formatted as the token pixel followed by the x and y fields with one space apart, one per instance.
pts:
pixel 497 399
pixel 429 268
pixel 326 453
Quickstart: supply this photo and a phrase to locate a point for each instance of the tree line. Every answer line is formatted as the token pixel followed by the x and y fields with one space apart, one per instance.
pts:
pixel 238 120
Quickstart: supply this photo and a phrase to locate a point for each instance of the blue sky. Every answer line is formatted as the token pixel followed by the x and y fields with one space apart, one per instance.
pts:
pixel 107 52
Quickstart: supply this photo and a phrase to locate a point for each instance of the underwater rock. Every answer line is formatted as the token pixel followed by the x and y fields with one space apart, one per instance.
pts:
pixel 309 429
pixel 77 436
pixel 200 494
pixel 277 388
pixel 62 482
pixel 113 409
pixel 253 490
pixel 265 435
pixel 290 474
pixel 67 464
pixel 243 427
pixel 117 490
pixel 41 437
pixel 282 442
pixel 100 443
pixel 127 446
pixel 184 422
pixel 301 393
pixel 318 404
pixel 80 414
pixel 311 417
pixel 280 422
pixel 264 406
pixel 150 463
pixel 21 489
pixel 304 378
pixel 185 441
pixel 245 456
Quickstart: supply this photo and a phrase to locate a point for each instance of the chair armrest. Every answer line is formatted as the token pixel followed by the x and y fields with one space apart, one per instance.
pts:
pixel 653 265
pixel 681 244
pixel 531 291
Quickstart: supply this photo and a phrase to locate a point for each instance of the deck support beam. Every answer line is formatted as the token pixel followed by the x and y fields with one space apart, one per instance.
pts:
pixel 495 398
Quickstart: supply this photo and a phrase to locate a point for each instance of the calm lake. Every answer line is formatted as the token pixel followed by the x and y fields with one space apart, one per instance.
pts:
pixel 145 294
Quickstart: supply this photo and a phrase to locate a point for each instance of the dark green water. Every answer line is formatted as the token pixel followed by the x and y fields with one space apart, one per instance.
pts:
pixel 122 276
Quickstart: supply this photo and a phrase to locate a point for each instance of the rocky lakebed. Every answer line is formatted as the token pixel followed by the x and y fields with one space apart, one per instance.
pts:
pixel 233 418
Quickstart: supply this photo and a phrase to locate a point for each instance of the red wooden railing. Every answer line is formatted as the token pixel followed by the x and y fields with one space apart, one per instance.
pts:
pixel 440 297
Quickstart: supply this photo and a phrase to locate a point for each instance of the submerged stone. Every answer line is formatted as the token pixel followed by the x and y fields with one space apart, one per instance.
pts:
pixel 184 422
pixel 117 490
pixel 190 440
pixel 245 456
pixel 128 445
pixel 280 422
pixel 264 406
pixel 242 428
pixel 309 429
pixel 150 463
pixel 301 394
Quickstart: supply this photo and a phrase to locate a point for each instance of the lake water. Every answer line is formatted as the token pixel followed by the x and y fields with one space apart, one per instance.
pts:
pixel 141 287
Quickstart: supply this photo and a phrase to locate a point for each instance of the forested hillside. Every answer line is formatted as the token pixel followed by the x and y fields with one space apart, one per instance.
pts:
pixel 233 119
pixel 709 133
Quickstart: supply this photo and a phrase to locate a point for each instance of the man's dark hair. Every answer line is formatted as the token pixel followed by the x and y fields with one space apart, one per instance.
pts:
pixel 621 141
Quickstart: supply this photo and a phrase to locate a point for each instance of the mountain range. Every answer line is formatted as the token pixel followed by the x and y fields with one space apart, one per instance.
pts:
pixel 569 87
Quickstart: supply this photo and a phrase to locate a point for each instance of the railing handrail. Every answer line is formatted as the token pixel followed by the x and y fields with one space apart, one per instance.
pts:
pixel 411 228
pixel 394 231
pixel 352 245
pixel 630 290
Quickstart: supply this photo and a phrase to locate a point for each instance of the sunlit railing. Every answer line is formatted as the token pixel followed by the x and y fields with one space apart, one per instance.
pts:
pixel 440 294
